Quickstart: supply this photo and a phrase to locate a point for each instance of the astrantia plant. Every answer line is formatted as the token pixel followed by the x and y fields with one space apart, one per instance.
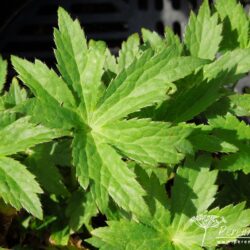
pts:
pixel 138 141
pixel 97 115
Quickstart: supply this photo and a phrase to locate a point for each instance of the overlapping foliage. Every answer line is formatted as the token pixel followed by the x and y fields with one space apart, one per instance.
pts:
pixel 108 135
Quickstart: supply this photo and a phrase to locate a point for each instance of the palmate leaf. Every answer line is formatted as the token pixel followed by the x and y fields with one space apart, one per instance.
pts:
pixel 203 33
pixel 126 234
pixel 143 81
pixel 231 130
pixel 14 190
pixel 18 136
pixel 204 87
pixel 180 232
pixel 225 134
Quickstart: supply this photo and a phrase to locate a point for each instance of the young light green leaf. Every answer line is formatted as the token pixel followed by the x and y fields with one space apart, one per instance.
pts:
pixel 129 52
pixel 203 33
pixel 110 62
pixel 230 122
pixel 236 24
pixel 173 40
pixel 240 104
pixel 153 39
pixel 227 225
pixel 231 65
pixel 16 94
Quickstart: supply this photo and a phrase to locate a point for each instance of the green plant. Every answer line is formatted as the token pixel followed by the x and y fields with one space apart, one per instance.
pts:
pixel 124 128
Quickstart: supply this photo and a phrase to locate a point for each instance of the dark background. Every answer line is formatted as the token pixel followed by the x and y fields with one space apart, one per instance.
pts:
pixel 26 26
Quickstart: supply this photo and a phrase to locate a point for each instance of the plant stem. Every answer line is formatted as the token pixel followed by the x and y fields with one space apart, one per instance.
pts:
pixel 204 237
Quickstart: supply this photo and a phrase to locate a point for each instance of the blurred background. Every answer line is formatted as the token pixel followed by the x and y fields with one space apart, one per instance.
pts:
pixel 26 26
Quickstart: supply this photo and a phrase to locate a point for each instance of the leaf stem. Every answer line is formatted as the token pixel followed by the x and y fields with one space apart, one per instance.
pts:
pixel 204 237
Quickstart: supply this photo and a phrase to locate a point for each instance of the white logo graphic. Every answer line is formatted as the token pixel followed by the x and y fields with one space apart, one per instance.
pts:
pixel 206 222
